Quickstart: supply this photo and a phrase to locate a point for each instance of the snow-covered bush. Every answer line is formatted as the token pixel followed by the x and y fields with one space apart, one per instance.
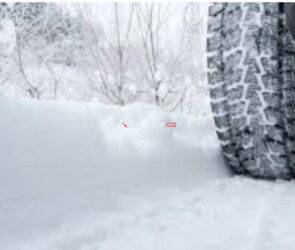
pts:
pixel 116 53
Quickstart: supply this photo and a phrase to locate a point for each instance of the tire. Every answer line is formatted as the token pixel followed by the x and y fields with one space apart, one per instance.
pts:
pixel 251 75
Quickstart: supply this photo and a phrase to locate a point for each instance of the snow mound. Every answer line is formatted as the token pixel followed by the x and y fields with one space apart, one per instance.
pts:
pixel 61 162
pixel 87 177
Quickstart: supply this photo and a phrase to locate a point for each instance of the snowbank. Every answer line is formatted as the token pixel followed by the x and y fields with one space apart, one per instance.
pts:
pixel 63 162
pixel 88 177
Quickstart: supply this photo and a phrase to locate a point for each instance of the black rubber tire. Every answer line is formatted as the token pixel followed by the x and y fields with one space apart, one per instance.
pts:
pixel 251 75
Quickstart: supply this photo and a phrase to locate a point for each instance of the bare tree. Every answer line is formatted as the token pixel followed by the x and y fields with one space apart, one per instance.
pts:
pixel 114 53
pixel 151 19
pixel 109 51
pixel 31 24
pixel 33 91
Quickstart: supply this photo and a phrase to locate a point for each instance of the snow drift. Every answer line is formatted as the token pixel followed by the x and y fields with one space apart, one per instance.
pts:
pixel 88 177
pixel 62 161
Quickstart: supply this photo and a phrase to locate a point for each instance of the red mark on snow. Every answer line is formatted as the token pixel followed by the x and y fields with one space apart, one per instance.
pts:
pixel 171 125
pixel 124 124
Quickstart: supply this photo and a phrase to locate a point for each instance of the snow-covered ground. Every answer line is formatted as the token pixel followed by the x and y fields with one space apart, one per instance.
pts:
pixel 93 177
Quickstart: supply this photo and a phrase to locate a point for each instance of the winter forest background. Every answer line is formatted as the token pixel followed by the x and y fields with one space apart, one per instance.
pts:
pixel 110 53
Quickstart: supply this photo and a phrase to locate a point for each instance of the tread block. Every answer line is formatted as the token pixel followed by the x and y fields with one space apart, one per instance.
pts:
pixel 222 121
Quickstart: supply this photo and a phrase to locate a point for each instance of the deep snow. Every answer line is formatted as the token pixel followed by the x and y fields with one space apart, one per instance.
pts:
pixel 73 176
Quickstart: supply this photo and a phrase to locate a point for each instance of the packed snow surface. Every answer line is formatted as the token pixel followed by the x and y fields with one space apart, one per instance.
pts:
pixel 93 177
